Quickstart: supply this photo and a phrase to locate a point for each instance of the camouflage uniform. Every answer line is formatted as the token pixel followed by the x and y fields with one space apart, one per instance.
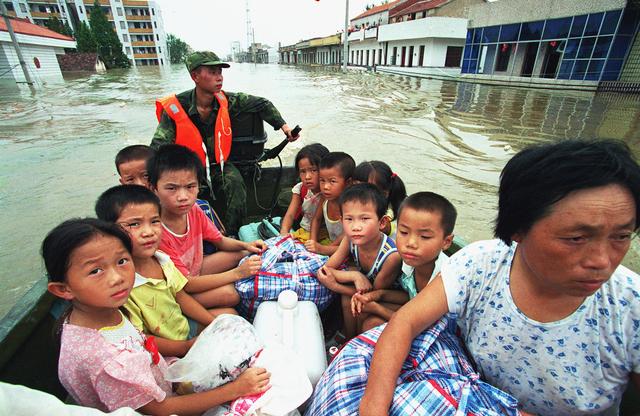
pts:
pixel 230 188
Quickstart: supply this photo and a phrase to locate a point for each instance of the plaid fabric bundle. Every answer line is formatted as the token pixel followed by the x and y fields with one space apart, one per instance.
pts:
pixel 436 379
pixel 286 264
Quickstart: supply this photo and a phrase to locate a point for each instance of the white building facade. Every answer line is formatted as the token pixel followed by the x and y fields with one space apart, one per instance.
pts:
pixel 138 23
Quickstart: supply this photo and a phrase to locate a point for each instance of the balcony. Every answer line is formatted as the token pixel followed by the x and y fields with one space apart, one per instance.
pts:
pixel 141 30
pixel 42 15
pixel 429 27
pixel 42 2
pixel 102 2
pixel 135 3
pixel 139 17
pixel 143 43
pixel 145 55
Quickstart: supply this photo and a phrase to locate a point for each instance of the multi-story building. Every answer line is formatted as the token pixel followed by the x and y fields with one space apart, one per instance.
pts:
pixel 138 23
pixel 578 44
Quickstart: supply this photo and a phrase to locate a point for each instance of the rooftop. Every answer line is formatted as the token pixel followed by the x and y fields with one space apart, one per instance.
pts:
pixel 415 7
pixel 24 27
pixel 377 9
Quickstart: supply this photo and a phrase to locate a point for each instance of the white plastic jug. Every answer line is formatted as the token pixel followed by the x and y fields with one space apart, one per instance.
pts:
pixel 295 324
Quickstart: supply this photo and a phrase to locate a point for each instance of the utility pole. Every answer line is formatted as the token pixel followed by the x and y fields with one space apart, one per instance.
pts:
pixel 249 31
pixel 7 21
pixel 345 50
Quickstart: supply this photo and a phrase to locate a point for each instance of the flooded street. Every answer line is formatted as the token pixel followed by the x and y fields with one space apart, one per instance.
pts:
pixel 58 146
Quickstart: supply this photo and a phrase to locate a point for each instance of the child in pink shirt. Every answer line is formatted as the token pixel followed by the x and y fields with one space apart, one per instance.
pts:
pixel 104 361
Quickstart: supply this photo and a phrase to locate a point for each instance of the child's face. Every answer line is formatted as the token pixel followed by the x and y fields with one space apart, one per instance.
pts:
pixel 420 237
pixel 309 175
pixel 134 172
pixel 142 223
pixel 100 274
pixel 177 191
pixel 360 222
pixel 332 183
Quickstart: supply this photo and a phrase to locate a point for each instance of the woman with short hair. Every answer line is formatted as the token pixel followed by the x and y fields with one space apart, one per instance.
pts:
pixel 547 312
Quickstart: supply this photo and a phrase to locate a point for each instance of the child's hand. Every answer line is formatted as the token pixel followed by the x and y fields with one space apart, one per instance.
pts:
pixel 311 246
pixel 325 277
pixel 362 284
pixel 356 304
pixel 257 246
pixel 360 301
pixel 254 380
pixel 249 267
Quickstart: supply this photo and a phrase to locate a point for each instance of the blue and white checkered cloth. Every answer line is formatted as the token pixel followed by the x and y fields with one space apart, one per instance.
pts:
pixel 436 379
pixel 286 264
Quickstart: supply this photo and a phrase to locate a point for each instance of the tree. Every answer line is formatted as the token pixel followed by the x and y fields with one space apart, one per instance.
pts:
pixel 108 45
pixel 84 39
pixel 57 26
pixel 178 49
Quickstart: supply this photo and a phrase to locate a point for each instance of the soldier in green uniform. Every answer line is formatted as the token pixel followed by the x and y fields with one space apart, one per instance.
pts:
pixel 201 106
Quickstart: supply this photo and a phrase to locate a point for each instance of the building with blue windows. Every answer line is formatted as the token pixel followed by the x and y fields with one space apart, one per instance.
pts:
pixel 577 44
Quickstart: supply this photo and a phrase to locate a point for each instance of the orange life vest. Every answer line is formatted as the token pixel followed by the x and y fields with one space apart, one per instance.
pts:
pixel 188 135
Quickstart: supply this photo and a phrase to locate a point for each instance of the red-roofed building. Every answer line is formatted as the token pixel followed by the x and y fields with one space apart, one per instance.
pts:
pixel 414 9
pixel 39 48
pixel 375 16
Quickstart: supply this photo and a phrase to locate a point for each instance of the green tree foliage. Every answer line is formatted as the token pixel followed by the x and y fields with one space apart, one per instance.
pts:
pixel 56 25
pixel 84 39
pixel 107 43
pixel 178 49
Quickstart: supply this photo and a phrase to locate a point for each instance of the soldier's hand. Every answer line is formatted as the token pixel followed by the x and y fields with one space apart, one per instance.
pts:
pixel 287 131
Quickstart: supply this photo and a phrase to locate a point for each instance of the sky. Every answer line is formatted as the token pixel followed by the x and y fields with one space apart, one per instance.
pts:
pixel 215 24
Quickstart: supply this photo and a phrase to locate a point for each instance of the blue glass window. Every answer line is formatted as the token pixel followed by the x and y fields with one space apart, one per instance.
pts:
pixel 578 26
pixel 610 22
pixel 586 47
pixel 509 33
pixel 467 52
pixel 477 35
pixel 619 47
pixel 469 36
pixel 490 34
pixel 531 30
pixel 612 70
pixel 595 68
pixel 557 28
pixel 565 69
pixel 593 24
pixel 473 63
pixel 475 49
pixel 571 50
pixel 579 69
pixel 465 66
pixel 602 47
pixel 629 22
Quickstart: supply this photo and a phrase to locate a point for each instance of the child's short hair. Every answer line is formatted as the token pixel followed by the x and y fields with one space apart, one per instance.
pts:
pixel 63 240
pixel 314 152
pixel 365 193
pixel 432 202
pixel 133 152
pixel 110 204
pixel 341 160
pixel 171 158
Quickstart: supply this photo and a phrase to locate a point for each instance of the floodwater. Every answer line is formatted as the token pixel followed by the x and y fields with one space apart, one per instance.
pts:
pixel 452 138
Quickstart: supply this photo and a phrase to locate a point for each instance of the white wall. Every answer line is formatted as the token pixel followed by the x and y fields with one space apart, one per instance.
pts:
pixel 49 68
pixel 429 27
pixel 435 51
pixel 370 45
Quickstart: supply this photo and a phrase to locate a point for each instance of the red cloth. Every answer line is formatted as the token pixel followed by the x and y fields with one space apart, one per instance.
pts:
pixel 186 250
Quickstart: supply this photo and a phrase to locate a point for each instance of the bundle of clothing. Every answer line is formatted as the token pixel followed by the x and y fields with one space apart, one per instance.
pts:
pixel 436 378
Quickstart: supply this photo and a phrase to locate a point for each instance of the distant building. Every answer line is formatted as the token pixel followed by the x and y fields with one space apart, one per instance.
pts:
pixel 138 23
pixel 39 48
pixel 573 43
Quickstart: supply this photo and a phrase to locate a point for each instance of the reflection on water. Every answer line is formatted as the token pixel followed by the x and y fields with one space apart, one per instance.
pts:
pixel 452 138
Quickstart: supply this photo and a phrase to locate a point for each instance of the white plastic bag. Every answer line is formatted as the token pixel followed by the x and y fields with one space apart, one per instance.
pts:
pixel 223 350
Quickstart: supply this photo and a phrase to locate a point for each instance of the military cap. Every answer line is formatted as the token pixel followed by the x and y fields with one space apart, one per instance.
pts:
pixel 199 58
